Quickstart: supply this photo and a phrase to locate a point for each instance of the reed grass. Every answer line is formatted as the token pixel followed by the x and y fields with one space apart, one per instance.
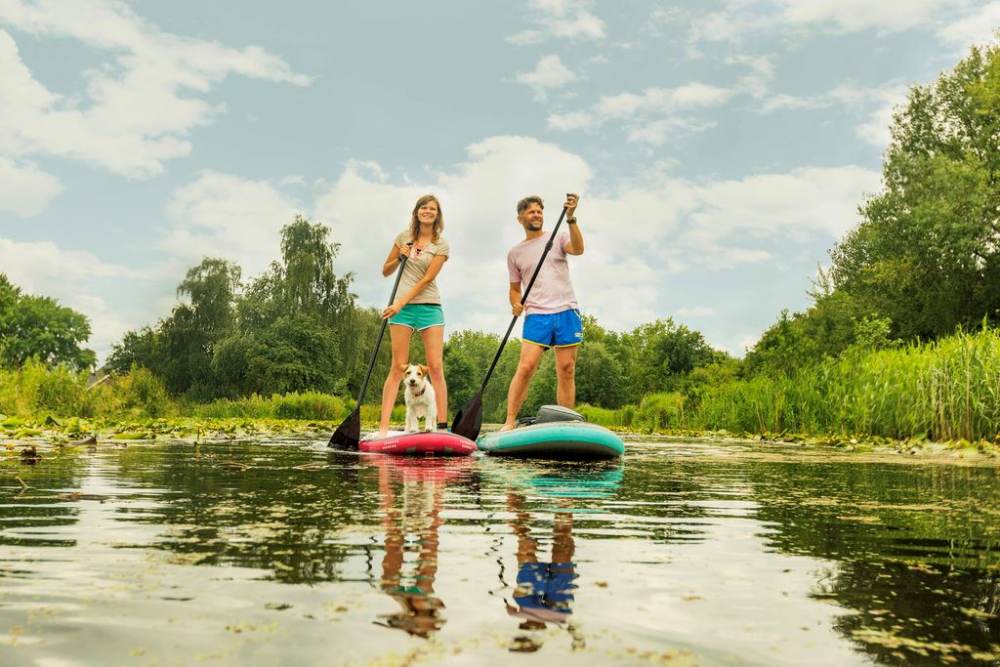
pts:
pixel 946 390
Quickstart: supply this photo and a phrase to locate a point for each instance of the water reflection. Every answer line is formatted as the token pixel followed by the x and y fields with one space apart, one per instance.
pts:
pixel 281 552
pixel 411 495
pixel 545 588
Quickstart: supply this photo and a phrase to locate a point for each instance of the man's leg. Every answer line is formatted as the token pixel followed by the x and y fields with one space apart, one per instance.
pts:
pixel 566 376
pixel 531 354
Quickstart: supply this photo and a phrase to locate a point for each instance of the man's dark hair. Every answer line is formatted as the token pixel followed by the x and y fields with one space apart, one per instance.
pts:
pixel 528 201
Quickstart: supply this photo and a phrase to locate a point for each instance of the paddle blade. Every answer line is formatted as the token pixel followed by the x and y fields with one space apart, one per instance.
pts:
pixel 348 434
pixel 469 418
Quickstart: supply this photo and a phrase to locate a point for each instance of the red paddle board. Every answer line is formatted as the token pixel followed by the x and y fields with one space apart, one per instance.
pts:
pixel 423 443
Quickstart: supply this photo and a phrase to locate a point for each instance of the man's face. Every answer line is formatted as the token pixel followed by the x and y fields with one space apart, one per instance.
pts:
pixel 532 218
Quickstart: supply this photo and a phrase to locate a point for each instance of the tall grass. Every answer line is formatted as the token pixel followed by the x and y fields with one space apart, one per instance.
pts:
pixel 36 389
pixel 944 390
pixel 307 405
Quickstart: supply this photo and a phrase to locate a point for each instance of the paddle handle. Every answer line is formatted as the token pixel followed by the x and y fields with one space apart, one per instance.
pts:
pixel 381 331
pixel 524 299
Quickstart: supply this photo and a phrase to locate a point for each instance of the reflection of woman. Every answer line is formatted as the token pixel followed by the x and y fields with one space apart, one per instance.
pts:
pixel 544 590
pixel 418 305
pixel 420 613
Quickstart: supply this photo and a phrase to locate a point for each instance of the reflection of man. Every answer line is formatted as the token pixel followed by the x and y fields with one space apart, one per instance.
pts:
pixel 420 613
pixel 544 591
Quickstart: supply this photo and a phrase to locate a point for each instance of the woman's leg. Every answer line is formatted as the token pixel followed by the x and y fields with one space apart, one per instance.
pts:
pixel 433 338
pixel 400 336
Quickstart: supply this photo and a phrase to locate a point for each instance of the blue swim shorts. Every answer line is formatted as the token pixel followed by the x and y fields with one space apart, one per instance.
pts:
pixel 419 316
pixel 563 329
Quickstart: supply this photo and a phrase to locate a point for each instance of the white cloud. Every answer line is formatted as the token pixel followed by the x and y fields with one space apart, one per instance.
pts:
pixel 526 37
pixel 549 73
pixel 26 189
pixel 978 28
pixel 858 15
pixel 876 130
pixel 877 104
pixel 803 201
pixel 565 19
pixel 758 80
pixel 220 215
pixel 141 104
pixel 583 25
pixel 695 312
pixel 788 20
pixel 653 116
pixel 659 132
pixel 576 120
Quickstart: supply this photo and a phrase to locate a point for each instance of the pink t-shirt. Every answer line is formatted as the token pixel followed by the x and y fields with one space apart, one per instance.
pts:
pixel 552 291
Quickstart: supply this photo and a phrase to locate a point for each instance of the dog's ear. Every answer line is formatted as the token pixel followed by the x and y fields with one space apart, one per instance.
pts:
pixel 425 370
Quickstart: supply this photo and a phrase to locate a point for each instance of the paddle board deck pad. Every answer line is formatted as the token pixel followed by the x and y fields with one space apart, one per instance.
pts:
pixel 422 443
pixel 554 440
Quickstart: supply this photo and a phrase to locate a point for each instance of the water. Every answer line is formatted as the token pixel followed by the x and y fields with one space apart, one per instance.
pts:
pixel 282 552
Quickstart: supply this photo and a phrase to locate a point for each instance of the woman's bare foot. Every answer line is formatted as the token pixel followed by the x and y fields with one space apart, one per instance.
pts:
pixel 507 427
pixel 381 434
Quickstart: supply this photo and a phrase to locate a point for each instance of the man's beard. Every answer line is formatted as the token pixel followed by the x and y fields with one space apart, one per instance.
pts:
pixel 535 226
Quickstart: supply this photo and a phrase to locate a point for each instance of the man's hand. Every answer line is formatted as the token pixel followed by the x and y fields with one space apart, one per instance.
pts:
pixel 517 309
pixel 571 201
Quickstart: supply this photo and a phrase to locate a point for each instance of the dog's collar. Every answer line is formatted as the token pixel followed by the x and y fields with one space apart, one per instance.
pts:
pixel 416 395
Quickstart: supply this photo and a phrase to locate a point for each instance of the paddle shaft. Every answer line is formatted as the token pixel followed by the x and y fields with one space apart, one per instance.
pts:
pixel 524 299
pixel 381 332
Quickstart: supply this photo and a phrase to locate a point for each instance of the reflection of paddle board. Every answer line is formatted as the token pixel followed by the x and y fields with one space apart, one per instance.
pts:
pixel 425 443
pixel 422 469
pixel 556 440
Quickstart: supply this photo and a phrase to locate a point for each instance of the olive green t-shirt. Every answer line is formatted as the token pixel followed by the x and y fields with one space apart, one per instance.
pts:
pixel 417 265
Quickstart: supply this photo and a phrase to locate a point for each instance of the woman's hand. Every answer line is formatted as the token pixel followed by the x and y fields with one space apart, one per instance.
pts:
pixel 392 309
pixel 404 250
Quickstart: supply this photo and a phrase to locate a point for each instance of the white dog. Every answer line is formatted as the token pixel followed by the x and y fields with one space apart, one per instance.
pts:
pixel 420 399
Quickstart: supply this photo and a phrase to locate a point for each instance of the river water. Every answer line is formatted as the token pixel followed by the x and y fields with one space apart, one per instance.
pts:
pixel 684 553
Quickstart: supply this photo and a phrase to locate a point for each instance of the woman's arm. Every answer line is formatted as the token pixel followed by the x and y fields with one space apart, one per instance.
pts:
pixel 432 271
pixel 392 261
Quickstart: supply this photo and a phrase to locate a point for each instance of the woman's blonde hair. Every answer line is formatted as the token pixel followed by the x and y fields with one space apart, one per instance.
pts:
pixel 415 223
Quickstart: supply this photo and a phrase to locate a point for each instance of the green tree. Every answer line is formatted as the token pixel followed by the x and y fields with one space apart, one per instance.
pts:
pixel 37 327
pixel 926 254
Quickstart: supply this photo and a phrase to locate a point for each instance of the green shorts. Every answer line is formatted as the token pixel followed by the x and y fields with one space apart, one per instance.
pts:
pixel 419 316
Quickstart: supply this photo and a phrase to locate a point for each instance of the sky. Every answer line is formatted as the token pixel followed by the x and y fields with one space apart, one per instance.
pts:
pixel 720 148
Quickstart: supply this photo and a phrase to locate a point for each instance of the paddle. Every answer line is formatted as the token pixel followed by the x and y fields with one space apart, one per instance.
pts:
pixel 348 434
pixel 469 418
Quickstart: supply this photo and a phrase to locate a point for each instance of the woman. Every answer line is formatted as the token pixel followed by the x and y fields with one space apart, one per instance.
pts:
pixel 418 304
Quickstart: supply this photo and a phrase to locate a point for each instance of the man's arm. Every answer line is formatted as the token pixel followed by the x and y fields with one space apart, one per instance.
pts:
pixel 515 299
pixel 575 244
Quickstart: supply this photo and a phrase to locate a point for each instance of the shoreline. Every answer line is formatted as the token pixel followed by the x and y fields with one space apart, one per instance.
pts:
pixel 15 432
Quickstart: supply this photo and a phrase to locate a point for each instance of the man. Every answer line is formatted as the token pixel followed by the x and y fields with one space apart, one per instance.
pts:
pixel 551 315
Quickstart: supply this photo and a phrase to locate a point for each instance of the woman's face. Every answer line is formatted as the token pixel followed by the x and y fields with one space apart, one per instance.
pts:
pixel 427 214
